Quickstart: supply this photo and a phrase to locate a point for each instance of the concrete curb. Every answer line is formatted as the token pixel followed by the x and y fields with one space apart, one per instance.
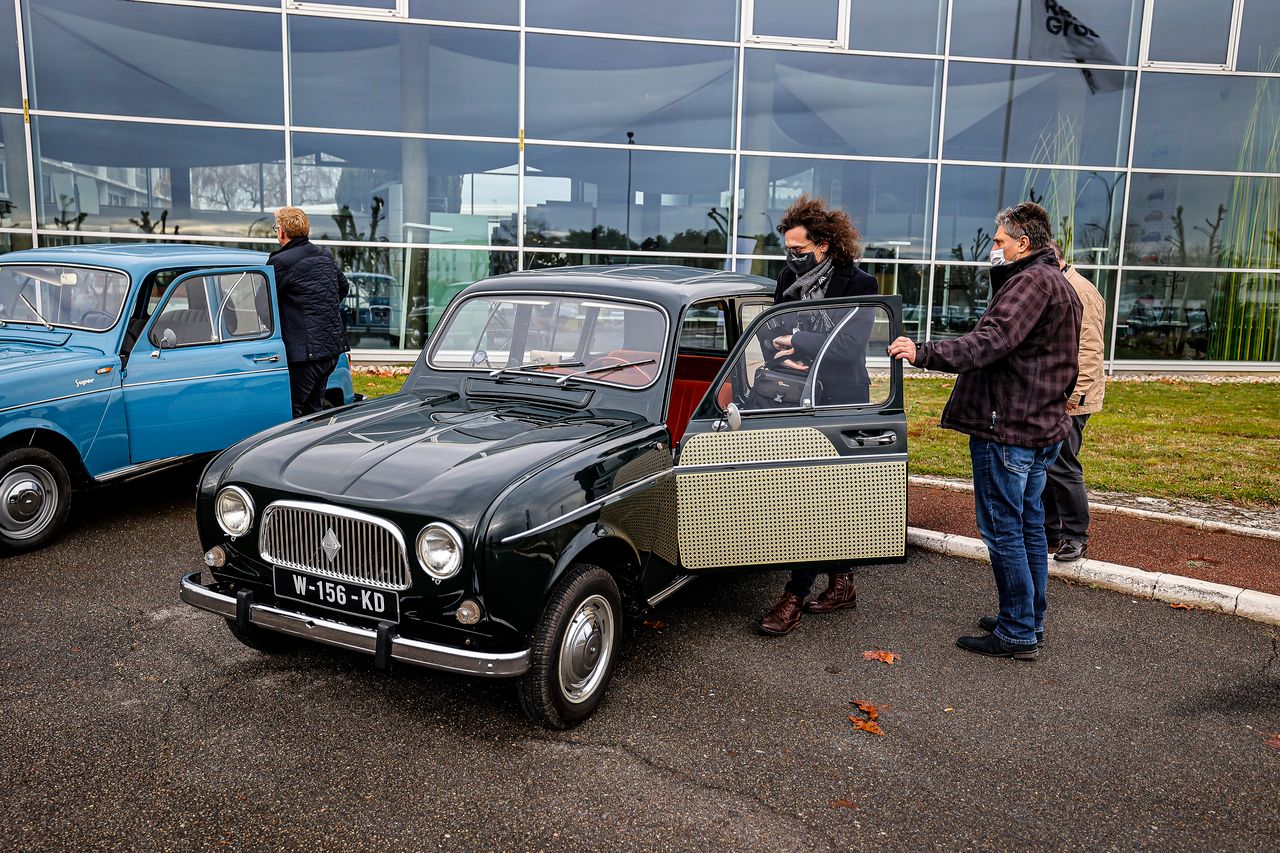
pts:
pixel 1157 586
pixel 1149 514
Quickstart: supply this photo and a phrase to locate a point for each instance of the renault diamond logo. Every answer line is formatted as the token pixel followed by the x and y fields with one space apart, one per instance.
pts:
pixel 330 544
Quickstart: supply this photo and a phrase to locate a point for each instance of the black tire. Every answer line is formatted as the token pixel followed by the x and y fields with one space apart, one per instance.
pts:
pixel 35 493
pixel 267 642
pixel 583 613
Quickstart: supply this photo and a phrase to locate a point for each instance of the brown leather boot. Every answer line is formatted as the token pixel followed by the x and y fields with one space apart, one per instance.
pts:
pixel 838 594
pixel 784 616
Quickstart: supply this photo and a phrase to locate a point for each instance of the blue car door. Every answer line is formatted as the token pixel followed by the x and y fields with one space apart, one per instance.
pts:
pixel 210 368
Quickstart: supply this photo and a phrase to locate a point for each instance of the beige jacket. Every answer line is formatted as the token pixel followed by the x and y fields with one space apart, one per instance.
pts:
pixel 1091 385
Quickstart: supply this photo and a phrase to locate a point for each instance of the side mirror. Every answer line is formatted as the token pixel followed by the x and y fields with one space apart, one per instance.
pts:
pixel 734 417
pixel 168 340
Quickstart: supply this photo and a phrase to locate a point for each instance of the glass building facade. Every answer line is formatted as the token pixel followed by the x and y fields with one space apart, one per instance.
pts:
pixel 435 142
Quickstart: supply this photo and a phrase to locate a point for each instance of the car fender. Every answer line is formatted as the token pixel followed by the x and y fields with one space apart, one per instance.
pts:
pixel 601 543
pixel 39 432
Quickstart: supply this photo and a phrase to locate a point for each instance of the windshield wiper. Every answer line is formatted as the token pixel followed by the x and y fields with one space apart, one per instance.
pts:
pixel 605 369
pixel 528 369
pixel 39 317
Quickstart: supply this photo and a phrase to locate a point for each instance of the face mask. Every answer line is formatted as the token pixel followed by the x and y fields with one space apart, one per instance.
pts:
pixel 801 262
pixel 997 257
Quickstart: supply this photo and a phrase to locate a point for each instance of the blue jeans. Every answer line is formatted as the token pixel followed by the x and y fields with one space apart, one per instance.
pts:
pixel 1008 485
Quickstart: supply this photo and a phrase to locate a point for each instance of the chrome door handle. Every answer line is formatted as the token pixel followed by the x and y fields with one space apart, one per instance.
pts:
pixel 879 439
pixel 259 359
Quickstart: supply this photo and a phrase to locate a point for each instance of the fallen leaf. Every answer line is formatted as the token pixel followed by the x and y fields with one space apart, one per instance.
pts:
pixel 655 624
pixel 872 712
pixel 842 803
pixel 1273 741
pixel 882 656
pixel 948 710
pixel 868 726
pixel 1178 605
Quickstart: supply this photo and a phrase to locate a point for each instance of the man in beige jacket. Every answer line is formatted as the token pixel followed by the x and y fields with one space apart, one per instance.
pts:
pixel 1066 501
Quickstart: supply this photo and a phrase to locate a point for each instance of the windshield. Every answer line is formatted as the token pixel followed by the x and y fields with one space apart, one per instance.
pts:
pixel 595 340
pixel 54 295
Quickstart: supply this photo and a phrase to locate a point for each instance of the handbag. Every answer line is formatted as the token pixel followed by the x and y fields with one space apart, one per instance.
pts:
pixel 776 386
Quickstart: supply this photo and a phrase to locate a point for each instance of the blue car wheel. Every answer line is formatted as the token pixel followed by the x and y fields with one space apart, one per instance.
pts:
pixel 35 493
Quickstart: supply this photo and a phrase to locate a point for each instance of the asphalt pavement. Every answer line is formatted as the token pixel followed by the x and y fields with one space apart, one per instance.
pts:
pixel 131 721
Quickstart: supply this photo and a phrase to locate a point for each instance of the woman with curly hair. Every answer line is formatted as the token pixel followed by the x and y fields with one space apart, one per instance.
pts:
pixel 822 249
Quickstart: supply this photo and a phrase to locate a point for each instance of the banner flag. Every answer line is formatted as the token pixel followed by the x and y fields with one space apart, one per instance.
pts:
pixel 1058 35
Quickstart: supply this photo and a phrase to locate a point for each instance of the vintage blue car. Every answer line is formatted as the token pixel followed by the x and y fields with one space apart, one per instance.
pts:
pixel 122 359
pixel 571 448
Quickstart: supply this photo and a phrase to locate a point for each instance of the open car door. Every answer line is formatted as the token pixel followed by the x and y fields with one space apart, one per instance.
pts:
pixel 804 459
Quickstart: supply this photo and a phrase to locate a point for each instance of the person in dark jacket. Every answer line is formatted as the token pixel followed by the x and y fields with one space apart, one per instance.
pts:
pixel 311 289
pixel 822 247
pixel 1016 370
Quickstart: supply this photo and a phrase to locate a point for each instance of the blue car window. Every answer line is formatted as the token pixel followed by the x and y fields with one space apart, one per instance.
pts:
pixel 65 296
pixel 186 314
pixel 244 304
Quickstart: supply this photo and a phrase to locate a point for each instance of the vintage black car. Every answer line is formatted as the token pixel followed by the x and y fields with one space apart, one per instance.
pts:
pixel 572 447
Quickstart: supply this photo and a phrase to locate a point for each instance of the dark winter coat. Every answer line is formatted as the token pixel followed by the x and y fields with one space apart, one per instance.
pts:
pixel 1019 363
pixel 311 289
pixel 844 372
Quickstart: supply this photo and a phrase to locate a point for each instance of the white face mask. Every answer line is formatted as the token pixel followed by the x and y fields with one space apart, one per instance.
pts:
pixel 997 257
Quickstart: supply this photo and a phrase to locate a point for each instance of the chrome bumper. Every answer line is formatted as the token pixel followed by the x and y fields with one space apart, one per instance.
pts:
pixel 358 639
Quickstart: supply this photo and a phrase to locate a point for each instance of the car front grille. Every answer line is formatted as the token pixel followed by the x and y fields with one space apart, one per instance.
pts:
pixel 334 542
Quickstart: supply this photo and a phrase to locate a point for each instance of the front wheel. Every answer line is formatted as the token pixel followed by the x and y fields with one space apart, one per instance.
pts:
pixel 35 493
pixel 574 649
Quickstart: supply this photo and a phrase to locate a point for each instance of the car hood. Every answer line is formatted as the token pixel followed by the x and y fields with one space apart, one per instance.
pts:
pixel 437 456
pixel 30 371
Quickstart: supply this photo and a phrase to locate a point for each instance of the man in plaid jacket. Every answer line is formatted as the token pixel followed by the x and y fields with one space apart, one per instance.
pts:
pixel 1015 369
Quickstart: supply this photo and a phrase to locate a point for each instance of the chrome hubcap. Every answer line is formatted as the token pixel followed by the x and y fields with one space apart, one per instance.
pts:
pixel 586 650
pixel 28 501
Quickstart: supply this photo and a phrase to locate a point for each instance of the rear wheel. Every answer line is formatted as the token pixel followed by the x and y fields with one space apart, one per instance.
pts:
pixel 574 649
pixel 35 493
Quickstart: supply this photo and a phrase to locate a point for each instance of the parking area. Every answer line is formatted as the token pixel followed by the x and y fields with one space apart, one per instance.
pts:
pixel 129 720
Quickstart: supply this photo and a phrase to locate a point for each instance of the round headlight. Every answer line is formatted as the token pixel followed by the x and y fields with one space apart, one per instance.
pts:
pixel 234 510
pixel 440 550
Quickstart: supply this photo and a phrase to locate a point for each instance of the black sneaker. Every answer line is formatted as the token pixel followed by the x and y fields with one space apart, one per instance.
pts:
pixel 988 624
pixel 993 647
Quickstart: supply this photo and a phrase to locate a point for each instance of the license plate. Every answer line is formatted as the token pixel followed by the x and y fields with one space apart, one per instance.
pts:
pixel 341 596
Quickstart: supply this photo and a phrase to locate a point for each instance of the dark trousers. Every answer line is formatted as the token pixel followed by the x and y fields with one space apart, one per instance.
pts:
pixel 307 381
pixel 802 581
pixel 1066 501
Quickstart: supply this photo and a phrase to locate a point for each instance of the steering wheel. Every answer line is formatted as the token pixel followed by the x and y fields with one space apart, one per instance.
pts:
pixel 619 375
pixel 97 319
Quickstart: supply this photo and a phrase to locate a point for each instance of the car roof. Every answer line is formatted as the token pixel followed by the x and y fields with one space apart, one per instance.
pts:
pixel 670 286
pixel 137 257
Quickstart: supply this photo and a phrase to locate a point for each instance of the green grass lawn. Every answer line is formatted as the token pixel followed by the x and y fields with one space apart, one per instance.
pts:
pixel 1164 439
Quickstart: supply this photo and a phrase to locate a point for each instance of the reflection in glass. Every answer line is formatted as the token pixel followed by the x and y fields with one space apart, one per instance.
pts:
pixel 1208 121
pixel 663 94
pixel 15 201
pixel 620 199
pixel 889 202
pixel 10 84
pixel 1259 37
pixel 706 19
pixel 114 57
pixel 1105 32
pixel 1037 114
pixel 14 242
pixel 374 75
pixel 398 295
pixel 1203 221
pixel 158 179
pixel 549 260
pixel 1084 209
pixel 477 11
pixel 1190 31
pixel 1199 315
pixel 911 281
pixel 822 103
pixel 801 19
pixel 879 26
pixel 406 190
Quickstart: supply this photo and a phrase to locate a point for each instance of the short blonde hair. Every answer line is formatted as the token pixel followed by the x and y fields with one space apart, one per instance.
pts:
pixel 293 222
